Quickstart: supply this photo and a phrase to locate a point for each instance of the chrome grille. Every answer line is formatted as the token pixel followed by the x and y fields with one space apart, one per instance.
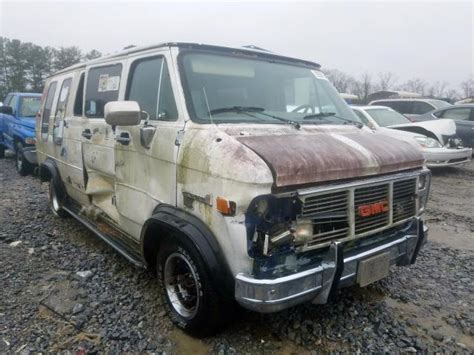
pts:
pixel 366 196
pixel 404 199
pixel 335 214
pixel 329 213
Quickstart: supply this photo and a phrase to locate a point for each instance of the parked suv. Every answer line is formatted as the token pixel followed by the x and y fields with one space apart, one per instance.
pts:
pixel 17 128
pixel 412 108
pixel 237 174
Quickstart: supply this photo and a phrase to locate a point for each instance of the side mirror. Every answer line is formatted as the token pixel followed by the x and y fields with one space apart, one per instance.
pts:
pixel 122 113
pixel 7 110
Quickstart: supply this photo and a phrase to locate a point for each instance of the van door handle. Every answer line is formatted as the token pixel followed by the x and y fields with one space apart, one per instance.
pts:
pixel 87 134
pixel 124 138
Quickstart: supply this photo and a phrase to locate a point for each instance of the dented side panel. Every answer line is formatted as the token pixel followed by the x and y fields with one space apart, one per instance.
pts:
pixel 212 163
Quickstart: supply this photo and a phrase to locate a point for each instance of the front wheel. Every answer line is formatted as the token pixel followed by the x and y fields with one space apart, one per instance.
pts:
pixel 23 167
pixel 186 289
pixel 2 152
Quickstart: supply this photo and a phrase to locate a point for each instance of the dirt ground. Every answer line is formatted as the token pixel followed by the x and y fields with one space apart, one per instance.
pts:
pixel 63 289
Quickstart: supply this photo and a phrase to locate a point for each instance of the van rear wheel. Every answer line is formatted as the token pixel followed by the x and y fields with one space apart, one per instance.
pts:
pixel 23 167
pixel 186 288
pixel 2 152
pixel 54 200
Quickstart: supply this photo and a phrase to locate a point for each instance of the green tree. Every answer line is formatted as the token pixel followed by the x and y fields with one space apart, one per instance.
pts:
pixel 15 57
pixel 66 56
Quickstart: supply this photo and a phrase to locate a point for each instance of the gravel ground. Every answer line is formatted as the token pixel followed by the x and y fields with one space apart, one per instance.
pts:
pixel 62 289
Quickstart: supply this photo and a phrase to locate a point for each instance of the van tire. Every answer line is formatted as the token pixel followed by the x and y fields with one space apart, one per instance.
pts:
pixel 200 311
pixel 23 167
pixel 54 200
pixel 2 152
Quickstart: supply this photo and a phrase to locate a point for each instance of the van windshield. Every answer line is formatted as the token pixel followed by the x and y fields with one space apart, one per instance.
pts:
pixel 230 89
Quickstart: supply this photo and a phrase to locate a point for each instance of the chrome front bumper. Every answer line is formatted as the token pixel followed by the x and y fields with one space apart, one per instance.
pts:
pixel 316 284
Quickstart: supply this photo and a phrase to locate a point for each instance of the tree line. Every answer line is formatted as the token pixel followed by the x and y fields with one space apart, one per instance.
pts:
pixel 366 84
pixel 24 66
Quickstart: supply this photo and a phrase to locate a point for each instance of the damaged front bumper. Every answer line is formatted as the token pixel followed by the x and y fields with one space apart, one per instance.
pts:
pixel 338 269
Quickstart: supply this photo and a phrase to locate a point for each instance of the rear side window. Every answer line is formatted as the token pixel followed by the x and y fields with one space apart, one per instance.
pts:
pixel 150 86
pixel 79 100
pixel 47 110
pixel 102 86
pixel 457 113
pixel 420 107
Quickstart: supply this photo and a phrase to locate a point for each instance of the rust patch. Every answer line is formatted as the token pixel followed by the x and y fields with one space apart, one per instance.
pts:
pixel 310 158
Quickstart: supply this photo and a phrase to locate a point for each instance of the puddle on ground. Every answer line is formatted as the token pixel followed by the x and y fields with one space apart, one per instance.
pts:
pixel 186 344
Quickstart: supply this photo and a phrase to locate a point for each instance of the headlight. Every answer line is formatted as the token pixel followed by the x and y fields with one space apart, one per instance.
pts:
pixel 424 181
pixel 30 140
pixel 427 142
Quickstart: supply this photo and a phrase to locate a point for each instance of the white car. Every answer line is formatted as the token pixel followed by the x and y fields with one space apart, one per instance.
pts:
pixel 438 141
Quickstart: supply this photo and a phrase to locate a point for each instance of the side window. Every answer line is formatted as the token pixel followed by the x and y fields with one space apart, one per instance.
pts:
pixel 150 85
pixel 47 110
pixel 7 100
pixel 363 118
pixel 61 111
pixel 102 86
pixel 79 100
pixel 167 110
pixel 13 104
pixel 457 113
pixel 420 107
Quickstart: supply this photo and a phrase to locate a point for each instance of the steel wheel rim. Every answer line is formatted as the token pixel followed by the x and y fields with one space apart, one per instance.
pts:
pixel 181 285
pixel 54 200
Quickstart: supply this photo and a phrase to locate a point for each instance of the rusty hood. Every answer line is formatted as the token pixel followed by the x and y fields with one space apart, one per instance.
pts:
pixel 312 157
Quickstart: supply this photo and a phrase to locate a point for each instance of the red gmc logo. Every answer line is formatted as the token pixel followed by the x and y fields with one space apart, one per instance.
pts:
pixel 373 209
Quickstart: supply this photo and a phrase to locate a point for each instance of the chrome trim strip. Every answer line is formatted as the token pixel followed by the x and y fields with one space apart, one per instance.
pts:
pixel 379 248
pixel 360 183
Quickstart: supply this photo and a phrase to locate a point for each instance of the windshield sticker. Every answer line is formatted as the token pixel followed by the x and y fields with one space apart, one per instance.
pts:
pixel 319 75
pixel 108 83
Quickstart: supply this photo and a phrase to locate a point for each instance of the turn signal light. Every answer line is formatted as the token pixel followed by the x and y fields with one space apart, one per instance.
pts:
pixel 226 207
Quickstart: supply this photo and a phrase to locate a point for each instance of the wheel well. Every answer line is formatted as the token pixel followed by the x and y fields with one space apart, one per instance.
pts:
pixel 44 173
pixel 154 235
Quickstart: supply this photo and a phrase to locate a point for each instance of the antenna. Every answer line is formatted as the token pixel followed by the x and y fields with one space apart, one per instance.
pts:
pixel 207 104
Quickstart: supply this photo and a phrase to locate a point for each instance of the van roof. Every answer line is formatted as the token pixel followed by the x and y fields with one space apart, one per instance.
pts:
pixel 255 51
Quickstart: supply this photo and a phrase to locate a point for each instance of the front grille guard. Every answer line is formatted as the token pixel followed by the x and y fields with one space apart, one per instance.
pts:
pixel 347 229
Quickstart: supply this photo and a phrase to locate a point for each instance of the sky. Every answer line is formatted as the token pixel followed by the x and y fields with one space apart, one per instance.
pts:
pixel 431 40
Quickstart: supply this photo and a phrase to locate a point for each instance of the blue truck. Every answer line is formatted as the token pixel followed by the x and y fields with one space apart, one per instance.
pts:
pixel 17 129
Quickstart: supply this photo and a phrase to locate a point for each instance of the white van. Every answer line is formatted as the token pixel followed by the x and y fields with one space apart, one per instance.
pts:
pixel 236 174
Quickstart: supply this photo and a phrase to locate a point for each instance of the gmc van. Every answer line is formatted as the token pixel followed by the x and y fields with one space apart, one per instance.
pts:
pixel 239 175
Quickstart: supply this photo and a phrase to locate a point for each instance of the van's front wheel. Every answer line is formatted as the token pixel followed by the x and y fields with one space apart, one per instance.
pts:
pixel 186 289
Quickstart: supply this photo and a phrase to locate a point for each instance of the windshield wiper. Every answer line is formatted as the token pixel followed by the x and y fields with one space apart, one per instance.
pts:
pixel 250 109
pixel 322 115
pixel 237 109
